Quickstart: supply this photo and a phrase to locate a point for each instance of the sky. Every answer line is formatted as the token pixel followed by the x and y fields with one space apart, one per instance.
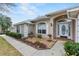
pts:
pixel 27 11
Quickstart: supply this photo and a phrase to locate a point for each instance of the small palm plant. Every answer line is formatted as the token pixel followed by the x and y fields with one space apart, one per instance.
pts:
pixel 50 36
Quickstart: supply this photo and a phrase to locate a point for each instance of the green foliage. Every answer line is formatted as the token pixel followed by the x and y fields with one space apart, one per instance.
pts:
pixel 13 34
pixel 39 36
pixel 49 35
pixel 71 48
pixel 5 23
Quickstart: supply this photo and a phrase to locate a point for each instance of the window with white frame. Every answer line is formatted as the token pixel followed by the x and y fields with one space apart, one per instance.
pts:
pixel 41 28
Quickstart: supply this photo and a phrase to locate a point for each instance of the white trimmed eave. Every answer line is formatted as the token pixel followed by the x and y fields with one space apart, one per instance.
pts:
pixel 39 19
pixel 74 9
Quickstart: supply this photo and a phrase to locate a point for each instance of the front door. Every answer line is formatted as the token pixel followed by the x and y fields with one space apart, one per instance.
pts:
pixel 63 29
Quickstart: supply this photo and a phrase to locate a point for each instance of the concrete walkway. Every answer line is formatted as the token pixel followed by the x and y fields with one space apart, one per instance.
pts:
pixel 56 50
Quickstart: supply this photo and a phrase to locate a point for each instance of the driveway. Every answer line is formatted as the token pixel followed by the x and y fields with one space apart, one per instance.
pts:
pixel 26 50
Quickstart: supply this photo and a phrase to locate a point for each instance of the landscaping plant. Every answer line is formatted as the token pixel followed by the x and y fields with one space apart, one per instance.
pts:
pixel 40 45
pixel 13 34
pixel 39 36
pixel 71 48
pixel 50 36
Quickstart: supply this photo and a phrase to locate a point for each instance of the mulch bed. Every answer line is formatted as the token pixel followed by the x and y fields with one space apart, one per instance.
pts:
pixel 38 45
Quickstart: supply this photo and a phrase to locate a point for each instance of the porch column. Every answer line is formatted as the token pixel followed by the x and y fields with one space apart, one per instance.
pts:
pixel 51 27
pixel 77 30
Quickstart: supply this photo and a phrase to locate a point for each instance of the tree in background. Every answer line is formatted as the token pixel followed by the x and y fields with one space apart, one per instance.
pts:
pixel 5 23
pixel 4 7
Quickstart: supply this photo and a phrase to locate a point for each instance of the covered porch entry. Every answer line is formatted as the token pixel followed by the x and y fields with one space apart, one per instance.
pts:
pixel 63 28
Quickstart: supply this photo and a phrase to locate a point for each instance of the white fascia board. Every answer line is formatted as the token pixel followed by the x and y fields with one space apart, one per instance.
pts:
pixel 72 9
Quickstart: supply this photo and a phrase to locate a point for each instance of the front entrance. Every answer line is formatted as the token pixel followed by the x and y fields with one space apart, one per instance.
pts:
pixel 63 29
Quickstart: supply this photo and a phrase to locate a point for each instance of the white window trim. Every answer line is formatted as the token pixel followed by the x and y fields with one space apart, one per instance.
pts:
pixel 37 27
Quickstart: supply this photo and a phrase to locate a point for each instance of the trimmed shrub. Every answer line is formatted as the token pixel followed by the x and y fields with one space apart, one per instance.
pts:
pixel 13 34
pixel 77 49
pixel 71 48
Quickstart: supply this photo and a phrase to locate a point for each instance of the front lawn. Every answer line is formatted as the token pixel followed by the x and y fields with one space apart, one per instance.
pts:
pixel 7 50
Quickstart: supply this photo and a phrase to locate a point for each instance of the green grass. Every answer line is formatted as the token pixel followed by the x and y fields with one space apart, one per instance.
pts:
pixel 6 49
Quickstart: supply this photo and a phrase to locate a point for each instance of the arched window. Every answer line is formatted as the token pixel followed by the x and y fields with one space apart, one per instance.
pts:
pixel 41 28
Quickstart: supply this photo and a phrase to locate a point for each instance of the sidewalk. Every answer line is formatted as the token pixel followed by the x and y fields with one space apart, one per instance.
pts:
pixel 21 47
pixel 26 50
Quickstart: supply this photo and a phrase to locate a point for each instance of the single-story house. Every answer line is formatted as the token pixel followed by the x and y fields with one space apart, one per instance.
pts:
pixel 60 24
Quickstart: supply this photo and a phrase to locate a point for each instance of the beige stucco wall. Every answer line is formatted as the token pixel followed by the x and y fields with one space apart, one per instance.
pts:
pixel 55 20
pixel 51 26
pixel 23 29
pixel 51 29
pixel 31 28
pixel 48 27
pixel 77 30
